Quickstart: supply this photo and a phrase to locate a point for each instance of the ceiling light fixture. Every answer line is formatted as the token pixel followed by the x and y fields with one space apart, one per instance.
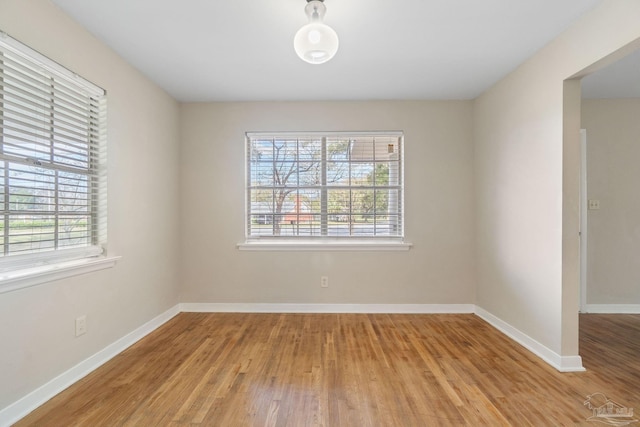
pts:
pixel 316 42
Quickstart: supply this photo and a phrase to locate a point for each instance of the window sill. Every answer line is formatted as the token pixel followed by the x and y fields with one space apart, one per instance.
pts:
pixel 27 277
pixel 329 246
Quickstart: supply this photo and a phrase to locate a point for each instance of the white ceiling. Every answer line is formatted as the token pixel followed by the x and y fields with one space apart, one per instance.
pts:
pixel 208 50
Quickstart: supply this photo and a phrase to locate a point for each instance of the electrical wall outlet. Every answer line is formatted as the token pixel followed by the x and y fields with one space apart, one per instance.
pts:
pixel 594 204
pixel 324 281
pixel 81 325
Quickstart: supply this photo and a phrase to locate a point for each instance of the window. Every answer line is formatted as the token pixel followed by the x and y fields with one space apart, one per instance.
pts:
pixel 52 183
pixel 324 185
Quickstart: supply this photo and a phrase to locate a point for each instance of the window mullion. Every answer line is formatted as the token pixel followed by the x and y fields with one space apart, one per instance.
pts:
pixel 375 191
pixel 350 188
pixel 56 217
pixel 297 200
pixel 276 216
pixel 324 223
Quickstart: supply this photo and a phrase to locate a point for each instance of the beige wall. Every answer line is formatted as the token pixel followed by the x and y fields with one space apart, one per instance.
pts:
pixel 489 184
pixel 526 220
pixel 613 155
pixel 439 269
pixel 37 324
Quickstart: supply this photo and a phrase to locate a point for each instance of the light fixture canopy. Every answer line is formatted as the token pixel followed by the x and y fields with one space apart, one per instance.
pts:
pixel 316 42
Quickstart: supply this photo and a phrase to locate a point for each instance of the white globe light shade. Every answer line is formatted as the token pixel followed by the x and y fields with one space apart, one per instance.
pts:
pixel 316 43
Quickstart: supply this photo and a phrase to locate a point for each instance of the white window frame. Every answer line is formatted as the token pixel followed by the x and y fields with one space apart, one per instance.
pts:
pixel 36 266
pixel 324 239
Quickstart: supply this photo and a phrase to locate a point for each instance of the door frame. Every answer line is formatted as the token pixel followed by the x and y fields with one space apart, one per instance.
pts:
pixel 583 221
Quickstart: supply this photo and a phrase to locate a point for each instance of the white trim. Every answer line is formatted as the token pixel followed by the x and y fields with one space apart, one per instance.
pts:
pixel 30 402
pixel 612 308
pixel 317 134
pixel 561 363
pixel 394 157
pixel 583 219
pixel 355 246
pixel 9 263
pixel 327 308
pixel 24 278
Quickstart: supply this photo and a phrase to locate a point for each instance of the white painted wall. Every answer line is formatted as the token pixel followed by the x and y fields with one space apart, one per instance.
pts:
pixel 439 269
pixel 526 168
pixel 613 159
pixel 37 339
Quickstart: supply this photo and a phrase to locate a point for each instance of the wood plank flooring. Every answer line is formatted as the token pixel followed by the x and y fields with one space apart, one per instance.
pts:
pixel 347 370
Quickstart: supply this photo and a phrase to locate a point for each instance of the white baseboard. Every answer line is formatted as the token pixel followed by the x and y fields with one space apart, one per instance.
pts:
pixel 27 404
pixel 327 308
pixel 561 363
pixel 612 308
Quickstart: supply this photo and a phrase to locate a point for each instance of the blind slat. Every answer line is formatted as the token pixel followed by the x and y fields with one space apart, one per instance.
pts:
pixel 44 121
pixel 17 103
pixel 48 90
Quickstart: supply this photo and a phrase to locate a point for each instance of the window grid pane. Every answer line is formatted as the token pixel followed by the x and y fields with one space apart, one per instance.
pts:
pixel 324 185
pixel 52 185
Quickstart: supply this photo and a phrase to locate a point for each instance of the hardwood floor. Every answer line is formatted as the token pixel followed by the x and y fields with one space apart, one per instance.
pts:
pixel 347 370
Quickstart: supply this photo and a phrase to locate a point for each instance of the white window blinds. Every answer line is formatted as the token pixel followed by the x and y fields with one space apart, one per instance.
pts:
pixel 319 185
pixel 52 158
